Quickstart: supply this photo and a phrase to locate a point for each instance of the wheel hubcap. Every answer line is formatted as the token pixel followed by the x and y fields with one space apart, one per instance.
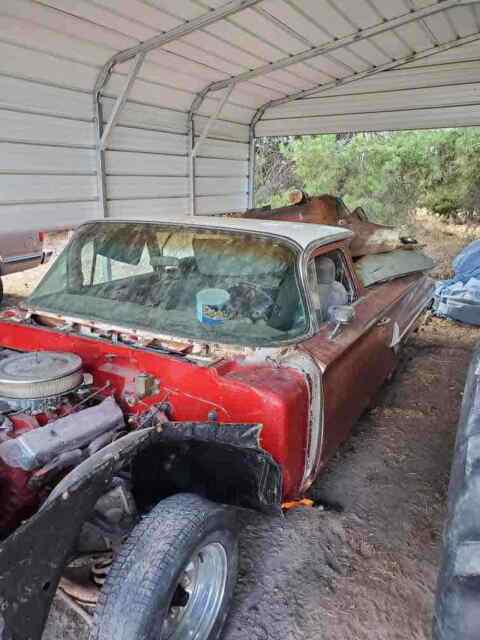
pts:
pixel 198 595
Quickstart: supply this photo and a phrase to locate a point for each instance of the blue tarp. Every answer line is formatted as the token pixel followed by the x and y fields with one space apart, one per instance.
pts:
pixel 459 297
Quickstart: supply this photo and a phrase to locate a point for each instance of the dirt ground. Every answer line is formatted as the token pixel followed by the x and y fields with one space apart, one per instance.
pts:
pixel 362 564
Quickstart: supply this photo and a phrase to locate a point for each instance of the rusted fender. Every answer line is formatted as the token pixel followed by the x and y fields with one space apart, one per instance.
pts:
pixel 457 601
pixel 225 453
pixel 33 558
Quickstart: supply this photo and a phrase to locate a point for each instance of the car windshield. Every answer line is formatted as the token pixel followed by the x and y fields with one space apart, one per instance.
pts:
pixel 181 281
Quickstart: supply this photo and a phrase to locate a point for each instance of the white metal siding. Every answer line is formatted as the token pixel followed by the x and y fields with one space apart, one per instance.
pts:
pixel 51 52
pixel 49 61
pixel 382 121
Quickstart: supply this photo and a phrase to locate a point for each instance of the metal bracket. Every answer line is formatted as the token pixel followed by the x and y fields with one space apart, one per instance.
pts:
pixel 212 119
pixel 194 147
pixel 122 98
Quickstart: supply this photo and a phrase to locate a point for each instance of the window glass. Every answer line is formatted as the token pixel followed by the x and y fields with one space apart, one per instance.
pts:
pixel 179 281
pixel 329 283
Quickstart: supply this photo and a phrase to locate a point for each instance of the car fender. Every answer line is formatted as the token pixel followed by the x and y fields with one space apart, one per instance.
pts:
pixel 34 556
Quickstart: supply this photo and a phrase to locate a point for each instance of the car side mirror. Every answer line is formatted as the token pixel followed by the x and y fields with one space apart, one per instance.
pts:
pixel 341 315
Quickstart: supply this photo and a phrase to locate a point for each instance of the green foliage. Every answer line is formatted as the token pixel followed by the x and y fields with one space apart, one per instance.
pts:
pixel 275 172
pixel 389 174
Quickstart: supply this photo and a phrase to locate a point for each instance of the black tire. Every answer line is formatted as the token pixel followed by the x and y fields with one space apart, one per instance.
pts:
pixel 1 291
pixel 136 598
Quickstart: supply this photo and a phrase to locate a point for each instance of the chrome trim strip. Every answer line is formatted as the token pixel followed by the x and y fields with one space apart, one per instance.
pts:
pixel 25 258
pixel 307 366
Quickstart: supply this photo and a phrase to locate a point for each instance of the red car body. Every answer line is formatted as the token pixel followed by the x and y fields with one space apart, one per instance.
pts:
pixel 122 389
pixel 306 400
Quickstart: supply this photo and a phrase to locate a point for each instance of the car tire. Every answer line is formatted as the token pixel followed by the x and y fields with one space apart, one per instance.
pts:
pixel 175 575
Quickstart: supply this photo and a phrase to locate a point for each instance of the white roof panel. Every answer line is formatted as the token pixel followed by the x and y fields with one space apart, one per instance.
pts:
pixel 301 233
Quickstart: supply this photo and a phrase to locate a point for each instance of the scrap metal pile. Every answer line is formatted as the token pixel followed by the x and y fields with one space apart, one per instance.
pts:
pixel 380 252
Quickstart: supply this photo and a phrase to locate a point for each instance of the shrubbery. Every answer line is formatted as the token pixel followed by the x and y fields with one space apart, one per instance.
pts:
pixel 389 174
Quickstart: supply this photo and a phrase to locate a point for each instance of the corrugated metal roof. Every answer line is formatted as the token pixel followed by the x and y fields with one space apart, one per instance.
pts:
pixel 85 34
pixel 297 66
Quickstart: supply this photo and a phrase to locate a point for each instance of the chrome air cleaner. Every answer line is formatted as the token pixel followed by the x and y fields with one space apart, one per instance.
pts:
pixel 39 375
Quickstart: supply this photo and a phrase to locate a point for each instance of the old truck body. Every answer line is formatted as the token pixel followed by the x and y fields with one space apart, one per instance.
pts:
pixel 240 353
pixel 21 251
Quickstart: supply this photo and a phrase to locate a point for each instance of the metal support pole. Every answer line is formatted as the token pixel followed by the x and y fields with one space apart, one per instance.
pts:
pixel 122 98
pixel 251 166
pixel 191 163
pixel 100 158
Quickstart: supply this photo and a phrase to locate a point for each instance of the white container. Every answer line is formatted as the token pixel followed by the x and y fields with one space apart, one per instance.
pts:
pixel 211 306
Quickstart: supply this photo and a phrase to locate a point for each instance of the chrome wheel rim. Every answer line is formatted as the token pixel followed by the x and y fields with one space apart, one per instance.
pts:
pixel 198 595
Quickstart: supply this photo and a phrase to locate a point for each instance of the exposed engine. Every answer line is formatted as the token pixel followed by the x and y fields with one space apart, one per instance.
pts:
pixel 51 419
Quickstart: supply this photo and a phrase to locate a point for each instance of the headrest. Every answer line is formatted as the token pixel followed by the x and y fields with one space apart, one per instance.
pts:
pixel 325 270
pixel 229 256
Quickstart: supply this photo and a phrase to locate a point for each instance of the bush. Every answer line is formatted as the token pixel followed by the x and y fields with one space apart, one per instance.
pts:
pixel 389 174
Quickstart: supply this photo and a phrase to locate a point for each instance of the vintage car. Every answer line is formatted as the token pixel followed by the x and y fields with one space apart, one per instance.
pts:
pixel 162 374
pixel 21 251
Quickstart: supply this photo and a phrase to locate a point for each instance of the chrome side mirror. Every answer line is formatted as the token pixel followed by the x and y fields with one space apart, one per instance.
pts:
pixel 340 315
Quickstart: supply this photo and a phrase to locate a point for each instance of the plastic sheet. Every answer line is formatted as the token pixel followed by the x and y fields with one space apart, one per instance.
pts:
pixel 459 297
pixel 457 601
pixel 373 269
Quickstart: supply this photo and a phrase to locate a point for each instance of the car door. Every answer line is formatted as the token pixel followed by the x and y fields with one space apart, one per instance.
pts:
pixel 20 251
pixel 357 360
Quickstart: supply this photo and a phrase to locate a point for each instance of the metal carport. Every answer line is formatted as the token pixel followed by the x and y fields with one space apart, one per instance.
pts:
pixel 137 108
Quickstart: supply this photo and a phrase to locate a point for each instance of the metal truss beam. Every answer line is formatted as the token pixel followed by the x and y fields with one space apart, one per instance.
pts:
pixel 340 43
pixel 224 11
pixel 139 52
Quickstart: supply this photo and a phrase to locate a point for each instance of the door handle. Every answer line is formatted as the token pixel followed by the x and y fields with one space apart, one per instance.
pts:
pixel 383 321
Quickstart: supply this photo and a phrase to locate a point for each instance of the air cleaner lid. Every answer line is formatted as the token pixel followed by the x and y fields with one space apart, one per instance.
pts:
pixel 38 366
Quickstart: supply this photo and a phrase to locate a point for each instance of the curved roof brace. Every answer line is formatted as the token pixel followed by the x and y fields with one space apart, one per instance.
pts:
pixel 139 52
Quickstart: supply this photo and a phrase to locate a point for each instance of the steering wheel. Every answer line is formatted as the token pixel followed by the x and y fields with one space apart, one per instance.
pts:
pixel 251 300
pixel 258 289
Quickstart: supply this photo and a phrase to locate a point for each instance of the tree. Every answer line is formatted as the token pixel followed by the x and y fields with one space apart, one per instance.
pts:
pixel 389 174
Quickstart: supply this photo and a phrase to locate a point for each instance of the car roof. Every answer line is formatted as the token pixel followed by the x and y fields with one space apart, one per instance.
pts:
pixel 302 233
